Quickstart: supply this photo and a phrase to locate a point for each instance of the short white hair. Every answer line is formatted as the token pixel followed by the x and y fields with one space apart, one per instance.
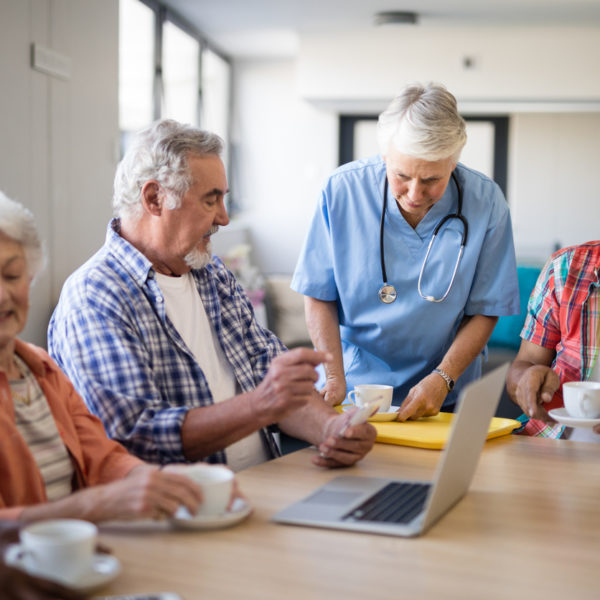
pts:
pixel 423 121
pixel 160 152
pixel 18 223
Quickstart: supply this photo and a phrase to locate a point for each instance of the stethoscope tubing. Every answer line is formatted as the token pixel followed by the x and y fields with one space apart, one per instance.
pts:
pixel 387 292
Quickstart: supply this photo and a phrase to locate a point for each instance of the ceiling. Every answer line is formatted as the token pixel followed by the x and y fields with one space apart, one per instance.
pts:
pixel 250 28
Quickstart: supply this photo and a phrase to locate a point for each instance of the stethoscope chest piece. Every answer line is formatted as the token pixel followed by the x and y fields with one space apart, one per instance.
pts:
pixel 387 293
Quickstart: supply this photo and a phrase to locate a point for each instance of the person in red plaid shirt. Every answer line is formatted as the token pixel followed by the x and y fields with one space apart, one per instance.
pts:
pixel 561 338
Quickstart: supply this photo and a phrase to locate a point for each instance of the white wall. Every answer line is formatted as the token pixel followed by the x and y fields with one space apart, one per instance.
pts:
pixel 552 181
pixel 285 147
pixel 508 63
pixel 59 137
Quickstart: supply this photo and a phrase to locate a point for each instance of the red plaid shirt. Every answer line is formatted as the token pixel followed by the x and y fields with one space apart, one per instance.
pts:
pixel 563 312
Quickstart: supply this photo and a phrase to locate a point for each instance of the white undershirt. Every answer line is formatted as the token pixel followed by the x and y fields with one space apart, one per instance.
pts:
pixel 185 309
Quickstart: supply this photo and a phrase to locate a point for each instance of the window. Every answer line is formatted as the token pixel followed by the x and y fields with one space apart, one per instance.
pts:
pixel 180 75
pixel 136 65
pixel 168 70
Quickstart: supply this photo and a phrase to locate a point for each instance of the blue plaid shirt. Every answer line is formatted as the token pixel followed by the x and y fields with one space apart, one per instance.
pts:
pixel 110 334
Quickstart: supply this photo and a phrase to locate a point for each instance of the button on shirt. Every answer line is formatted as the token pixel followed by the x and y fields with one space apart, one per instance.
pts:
pixel 112 337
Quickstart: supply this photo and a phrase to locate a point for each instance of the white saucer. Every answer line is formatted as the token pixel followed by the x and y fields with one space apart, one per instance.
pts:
pixel 239 511
pixel 562 416
pixel 378 416
pixel 104 569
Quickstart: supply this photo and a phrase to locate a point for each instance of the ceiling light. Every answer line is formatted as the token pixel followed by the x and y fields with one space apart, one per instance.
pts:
pixel 396 17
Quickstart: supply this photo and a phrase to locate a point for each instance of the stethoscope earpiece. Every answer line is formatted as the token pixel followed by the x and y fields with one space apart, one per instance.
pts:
pixel 387 292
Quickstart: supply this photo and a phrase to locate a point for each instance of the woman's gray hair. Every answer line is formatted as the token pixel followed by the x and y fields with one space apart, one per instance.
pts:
pixel 423 121
pixel 160 152
pixel 18 223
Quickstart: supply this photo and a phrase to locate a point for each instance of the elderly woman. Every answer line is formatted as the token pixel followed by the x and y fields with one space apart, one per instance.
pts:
pixel 395 290
pixel 55 458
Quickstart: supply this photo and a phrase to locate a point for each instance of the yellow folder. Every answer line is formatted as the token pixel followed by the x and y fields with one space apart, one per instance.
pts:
pixel 430 432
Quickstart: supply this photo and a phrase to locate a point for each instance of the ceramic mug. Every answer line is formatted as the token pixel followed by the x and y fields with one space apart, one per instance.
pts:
pixel 58 549
pixel 367 393
pixel 582 399
pixel 216 483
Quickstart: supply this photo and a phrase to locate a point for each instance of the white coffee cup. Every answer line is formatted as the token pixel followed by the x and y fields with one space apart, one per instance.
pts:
pixel 367 393
pixel 582 399
pixel 58 549
pixel 216 483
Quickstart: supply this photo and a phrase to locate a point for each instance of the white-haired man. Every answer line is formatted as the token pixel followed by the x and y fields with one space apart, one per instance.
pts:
pixel 389 290
pixel 161 341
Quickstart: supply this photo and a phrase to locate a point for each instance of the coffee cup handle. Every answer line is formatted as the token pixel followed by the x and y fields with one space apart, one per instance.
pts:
pixel 14 555
pixel 584 403
pixel 351 396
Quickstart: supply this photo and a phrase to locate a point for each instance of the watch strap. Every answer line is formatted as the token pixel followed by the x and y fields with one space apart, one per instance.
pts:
pixel 449 381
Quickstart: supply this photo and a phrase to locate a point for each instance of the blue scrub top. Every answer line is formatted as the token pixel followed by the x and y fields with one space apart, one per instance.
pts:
pixel 400 343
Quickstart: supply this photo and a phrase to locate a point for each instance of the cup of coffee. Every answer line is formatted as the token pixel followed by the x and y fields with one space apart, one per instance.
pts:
pixel 369 393
pixel 216 483
pixel 582 399
pixel 57 549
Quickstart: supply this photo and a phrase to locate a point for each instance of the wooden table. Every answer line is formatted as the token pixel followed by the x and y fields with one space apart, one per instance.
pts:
pixel 528 528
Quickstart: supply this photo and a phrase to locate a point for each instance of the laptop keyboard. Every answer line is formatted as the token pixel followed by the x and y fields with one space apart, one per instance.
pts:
pixel 395 503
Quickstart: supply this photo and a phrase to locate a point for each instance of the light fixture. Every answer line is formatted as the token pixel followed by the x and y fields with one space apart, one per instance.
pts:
pixel 396 17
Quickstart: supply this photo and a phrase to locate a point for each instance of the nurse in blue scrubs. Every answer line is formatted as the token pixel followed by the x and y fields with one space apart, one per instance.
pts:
pixel 388 305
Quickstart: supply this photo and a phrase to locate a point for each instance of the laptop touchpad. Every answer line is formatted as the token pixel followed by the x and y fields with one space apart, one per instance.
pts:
pixel 331 497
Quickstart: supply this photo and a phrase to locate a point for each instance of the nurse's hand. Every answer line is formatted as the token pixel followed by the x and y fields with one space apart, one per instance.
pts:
pixel 424 399
pixel 334 391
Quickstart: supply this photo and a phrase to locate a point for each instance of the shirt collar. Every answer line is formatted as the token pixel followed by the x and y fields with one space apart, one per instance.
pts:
pixel 130 258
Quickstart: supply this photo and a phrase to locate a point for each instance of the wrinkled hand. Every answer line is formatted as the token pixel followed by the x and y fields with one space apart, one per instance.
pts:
pixel 334 391
pixel 424 399
pixel 235 492
pixel 344 445
pixel 145 493
pixel 535 388
pixel 18 585
pixel 288 385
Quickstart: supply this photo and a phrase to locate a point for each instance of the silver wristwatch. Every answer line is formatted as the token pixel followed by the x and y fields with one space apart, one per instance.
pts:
pixel 449 381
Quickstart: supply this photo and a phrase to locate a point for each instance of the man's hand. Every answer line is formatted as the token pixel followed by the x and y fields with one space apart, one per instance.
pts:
pixel 288 385
pixel 536 387
pixel 424 399
pixel 344 445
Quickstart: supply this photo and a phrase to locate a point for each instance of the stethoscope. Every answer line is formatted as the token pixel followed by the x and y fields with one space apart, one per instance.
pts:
pixel 387 292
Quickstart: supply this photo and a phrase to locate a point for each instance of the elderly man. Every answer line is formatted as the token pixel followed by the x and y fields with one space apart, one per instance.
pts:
pixel 161 341
pixel 560 340
pixel 409 261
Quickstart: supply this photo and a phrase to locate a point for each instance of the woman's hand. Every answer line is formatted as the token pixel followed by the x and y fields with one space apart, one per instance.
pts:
pixel 334 390
pixel 235 492
pixel 424 399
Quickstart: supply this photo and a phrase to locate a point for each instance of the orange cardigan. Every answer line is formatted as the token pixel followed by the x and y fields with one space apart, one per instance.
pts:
pixel 96 459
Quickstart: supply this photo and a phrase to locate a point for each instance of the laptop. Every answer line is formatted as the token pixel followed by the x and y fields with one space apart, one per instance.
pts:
pixel 403 507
